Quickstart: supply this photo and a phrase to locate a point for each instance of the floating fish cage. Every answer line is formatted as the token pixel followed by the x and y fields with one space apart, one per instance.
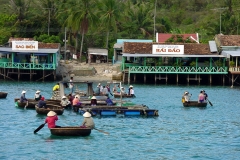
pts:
pixel 126 112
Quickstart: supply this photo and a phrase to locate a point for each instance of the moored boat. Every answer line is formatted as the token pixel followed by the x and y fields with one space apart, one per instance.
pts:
pixel 3 94
pixel 70 131
pixel 117 95
pixel 194 104
pixel 57 109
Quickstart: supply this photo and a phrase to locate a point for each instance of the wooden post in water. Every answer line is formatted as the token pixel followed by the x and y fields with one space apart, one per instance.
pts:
pixel 89 89
pixel 223 80
pixel 145 78
pixel 54 75
pixel 232 79
pixel 43 75
pixel 210 79
pixel 134 78
pixel 188 79
pixel 18 74
pixel 199 78
pixel 4 73
pixel 177 78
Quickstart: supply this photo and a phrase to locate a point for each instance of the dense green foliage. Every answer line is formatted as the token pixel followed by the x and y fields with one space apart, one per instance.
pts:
pixel 99 23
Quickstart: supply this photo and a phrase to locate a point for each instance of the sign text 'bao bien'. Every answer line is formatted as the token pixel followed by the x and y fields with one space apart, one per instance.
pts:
pixel 167 49
pixel 25 45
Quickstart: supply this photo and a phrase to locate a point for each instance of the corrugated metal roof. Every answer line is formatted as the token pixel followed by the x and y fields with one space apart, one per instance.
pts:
pixel 232 53
pixel 118 45
pixel 213 46
pixel 9 50
pixel 159 55
pixel 98 51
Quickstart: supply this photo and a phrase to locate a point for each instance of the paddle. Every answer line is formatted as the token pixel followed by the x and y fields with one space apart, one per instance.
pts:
pixel 101 131
pixel 26 105
pixel 210 102
pixel 40 127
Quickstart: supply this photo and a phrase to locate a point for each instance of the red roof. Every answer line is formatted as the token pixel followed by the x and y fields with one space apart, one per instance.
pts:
pixel 163 37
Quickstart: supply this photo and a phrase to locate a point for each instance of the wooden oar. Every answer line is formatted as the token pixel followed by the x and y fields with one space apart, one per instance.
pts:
pixel 40 127
pixel 26 105
pixel 210 102
pixel 101 131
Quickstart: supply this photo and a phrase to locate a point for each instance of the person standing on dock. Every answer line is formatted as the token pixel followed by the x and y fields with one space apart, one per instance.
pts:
pixel 71 85
pixel 88 121
pixel 37 96
pixel 23 97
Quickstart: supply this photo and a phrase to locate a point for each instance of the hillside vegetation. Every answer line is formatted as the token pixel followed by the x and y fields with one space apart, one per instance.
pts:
pixel 99 23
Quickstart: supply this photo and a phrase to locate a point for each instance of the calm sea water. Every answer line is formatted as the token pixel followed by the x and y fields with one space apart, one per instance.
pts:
pixel 178 132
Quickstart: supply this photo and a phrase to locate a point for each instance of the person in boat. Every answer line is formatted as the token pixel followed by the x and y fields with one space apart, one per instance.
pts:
pixel 88 121
pixel 123 90
pixel 65 102
pixel 70 98
pixel 42 103
pixel 131 91
pixel 76 103
pixel 201 97
pixel 114 89
pixel 206 95
pixel 37 95
pixel 71 84
pixel 51 120
pixel 23 97
pixel 56 89
pixel 186 96
pixel 109 102
pixel 93 101
pixel 118 89
pixel 105 91
pixel 100 88
pixel 97 91
pixel 109 89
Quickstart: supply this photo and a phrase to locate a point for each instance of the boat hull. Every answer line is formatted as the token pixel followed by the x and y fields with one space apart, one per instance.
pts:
pixel 57 109
pixel 70 131
pixel 194 104
pixel 3 94
pixel 123 96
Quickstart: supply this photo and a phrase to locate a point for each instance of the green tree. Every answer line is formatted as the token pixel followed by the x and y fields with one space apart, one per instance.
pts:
pixel 110 12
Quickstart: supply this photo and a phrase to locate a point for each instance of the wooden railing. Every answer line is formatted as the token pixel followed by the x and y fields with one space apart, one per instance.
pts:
pixel 39 66
pixel 178 70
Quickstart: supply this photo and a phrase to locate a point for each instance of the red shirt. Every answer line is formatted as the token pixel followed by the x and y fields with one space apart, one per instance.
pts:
pixel 75 101
pixel 51 121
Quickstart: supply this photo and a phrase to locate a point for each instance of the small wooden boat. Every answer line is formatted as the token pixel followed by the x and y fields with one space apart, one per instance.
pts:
pixel 70 131
pixel 57 109
pixel 23 104
pixel 117 95
pixel 194 104
pixel 3 94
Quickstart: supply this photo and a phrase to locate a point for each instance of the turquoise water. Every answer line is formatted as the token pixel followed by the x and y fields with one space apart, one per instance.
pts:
pixel 178 132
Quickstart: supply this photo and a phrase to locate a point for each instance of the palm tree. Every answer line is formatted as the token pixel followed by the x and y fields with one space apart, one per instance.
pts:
pixel 109 11
pixel 81 17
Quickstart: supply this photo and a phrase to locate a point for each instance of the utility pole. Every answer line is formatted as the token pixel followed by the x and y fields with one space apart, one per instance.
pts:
pixel 65 47
pixel 49 9
pixel 220 28
pixel 154 32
